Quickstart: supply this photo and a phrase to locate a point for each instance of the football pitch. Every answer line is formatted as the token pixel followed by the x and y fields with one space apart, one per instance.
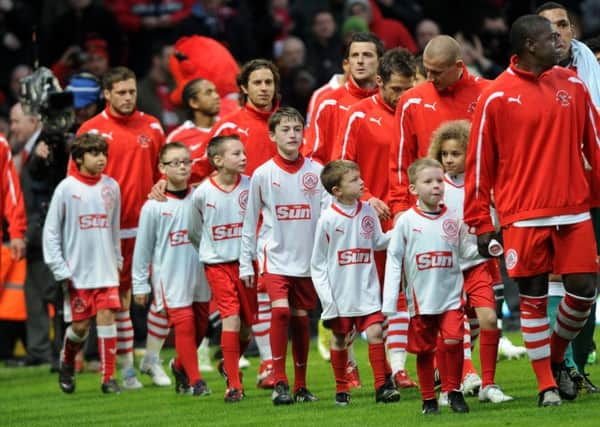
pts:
pixel 31 397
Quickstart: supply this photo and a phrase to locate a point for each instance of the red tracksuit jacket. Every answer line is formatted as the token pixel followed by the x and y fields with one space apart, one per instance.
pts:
pixel 251 125
pixel 328 119
pixel 133 145
pixel 526 144
pixel 364 138
pixel 420 112
pixel 12 204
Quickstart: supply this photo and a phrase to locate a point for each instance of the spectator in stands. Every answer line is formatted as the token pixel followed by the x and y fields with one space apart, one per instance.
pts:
pixel 425 30
pixel 392 33
pixel 154 89
pixel 325 47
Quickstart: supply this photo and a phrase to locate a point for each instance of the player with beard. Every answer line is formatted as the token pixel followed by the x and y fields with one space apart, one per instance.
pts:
pixel 134 140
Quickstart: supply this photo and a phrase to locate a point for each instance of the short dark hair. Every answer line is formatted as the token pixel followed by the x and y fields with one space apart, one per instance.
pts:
pixel 420 67
pixel 175 145
pixel 88 143
pixel 525 27
pixel 284 113
pixel 333 173
pixel 251 66
pixel 115 75
pixel 364 37
pixel 549 5
pixel 188 92
pixel 399 61
pixel 215 147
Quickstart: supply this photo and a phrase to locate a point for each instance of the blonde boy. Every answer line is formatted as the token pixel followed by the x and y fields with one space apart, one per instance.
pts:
pixel 427 242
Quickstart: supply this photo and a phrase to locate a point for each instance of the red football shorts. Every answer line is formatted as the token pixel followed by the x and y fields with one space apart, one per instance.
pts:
pixel 127 246
pixel 423 330
pixel 85 303
pixel 345 325
pixel 229 293
pixel 299 291
pixel 562 249
pixel 479 285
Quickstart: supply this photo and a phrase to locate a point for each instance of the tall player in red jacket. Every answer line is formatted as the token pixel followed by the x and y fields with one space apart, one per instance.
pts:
pixel 259 91
pixel 363 53
pixel 364 138
pixel 450 93
pixel 533 130
pixel 202 102
pixel 134 140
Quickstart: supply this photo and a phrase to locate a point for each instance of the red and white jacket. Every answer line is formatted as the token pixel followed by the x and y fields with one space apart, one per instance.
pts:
pixel 529 142
pixel 133 145
pixel 427 250
pixel 421 110
pixel 328 119
pixel 196 140
pixel 343 264
pixel 321 93
pixel 365 139
pixel 290 196
pixel 252 126
pixel 11 201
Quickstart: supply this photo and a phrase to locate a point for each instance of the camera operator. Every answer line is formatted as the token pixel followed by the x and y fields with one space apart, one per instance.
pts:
pixel 41 121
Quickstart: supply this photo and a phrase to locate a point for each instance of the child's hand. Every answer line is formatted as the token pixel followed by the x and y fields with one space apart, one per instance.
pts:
pixel 382 210
pixel 158 191
pixel 141 299
pixel 248 281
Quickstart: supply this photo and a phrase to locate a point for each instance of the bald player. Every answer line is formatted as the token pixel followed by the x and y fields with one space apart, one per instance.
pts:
pixel 450 93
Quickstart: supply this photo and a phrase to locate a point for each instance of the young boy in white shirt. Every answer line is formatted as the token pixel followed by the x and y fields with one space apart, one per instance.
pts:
pixel 345 277
pixel 287 192
pixel 427 243
pixel 218 209
pixel 179 286
pixel 82 249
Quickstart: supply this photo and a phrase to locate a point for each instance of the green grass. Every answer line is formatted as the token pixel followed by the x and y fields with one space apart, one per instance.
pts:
pixel 31 397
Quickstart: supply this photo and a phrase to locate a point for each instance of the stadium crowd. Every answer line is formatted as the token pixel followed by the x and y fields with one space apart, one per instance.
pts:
pixel 300 119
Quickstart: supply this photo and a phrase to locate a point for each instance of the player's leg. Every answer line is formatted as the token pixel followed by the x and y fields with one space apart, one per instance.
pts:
pixel 183 320
pixel 470 378
pixel 528 259
pixel 107 348
pixel 339 359
pixel 278 289
pixel 575 258
pixel 422 337
pixel 158 331
pixel 385 391
pixel 452 331
pixel 123 320
pixel 396 341
pixel 302 297
pixel 261 331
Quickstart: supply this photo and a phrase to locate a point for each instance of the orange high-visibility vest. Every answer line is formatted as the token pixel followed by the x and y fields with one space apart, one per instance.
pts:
pixel 12 287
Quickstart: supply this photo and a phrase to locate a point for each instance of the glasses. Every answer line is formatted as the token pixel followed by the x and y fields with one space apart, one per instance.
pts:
pixel 177 163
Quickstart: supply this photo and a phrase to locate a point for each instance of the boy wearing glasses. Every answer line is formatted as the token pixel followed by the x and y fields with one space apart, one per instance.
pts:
pixel 178 281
